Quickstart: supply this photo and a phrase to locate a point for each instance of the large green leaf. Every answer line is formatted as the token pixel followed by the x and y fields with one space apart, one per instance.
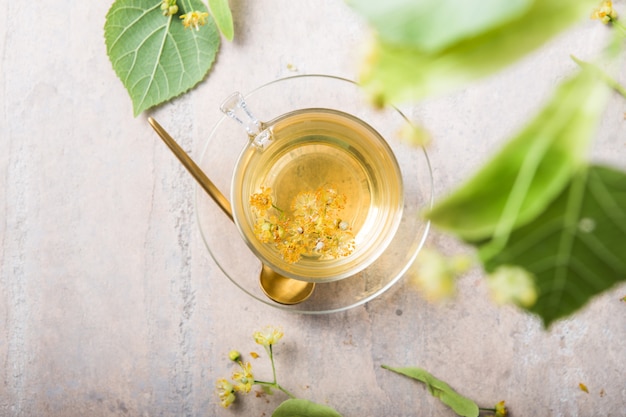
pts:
pixel 153 55
pixel 303 408
pixel 461 405
pixel 531 170
pixel 575 248
pixel 398 70
pixel 433 25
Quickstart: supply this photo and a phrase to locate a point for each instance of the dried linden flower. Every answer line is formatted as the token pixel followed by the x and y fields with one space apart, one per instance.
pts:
pixel 244 379
pixel 194 19
pixel 226 392
pixel 315 227
pixel 262 201
pixel 268 336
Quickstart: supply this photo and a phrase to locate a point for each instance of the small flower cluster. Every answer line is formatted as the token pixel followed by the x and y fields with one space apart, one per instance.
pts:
pixel 194 19
pixel 605 12
pixel 501 410
pixel 268 336
pixel 243 378
pixel 169 7
pixel 242 381
pixel 314 229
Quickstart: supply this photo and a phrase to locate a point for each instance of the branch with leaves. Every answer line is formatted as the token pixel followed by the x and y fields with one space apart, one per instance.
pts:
pixel 243 379
pixel 547 223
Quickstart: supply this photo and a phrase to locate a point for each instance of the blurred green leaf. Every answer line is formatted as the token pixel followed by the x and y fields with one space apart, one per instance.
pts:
pixel 575 249
pixel 220 10
pixel 461 405
pixel 153 55
pixel 519 182
pixel 303 408
pixel 398 70
pixel 433 25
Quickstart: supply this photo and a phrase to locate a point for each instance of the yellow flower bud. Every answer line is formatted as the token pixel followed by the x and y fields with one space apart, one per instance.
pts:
pixel 234 355
pixel 169 7
pixel 501 410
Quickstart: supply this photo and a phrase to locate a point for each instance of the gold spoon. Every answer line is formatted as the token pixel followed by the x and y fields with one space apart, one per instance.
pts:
pixel 281 289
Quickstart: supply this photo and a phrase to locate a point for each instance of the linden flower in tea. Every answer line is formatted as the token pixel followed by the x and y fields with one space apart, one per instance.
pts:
pixel 315 227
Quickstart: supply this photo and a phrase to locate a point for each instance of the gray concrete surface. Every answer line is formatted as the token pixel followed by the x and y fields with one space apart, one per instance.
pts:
pixel 111 306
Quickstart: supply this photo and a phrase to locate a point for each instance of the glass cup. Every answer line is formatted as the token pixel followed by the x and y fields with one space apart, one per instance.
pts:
pixel 315 135
pixel 330 189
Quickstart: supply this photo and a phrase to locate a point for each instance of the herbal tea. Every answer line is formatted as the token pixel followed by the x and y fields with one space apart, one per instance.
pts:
pixel 323 199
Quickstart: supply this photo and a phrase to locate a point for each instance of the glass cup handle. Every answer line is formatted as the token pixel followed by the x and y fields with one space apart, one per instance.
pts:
pixel 236 108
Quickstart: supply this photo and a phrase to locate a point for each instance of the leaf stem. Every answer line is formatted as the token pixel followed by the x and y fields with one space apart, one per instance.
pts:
pixel 266 383
pixel 274 383
pixel 276 386
pixel 285 391
pixel 271 355
pixel 620 27
pixel 187 6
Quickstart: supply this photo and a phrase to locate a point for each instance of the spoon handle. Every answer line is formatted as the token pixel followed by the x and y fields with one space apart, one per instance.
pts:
pixel 193 169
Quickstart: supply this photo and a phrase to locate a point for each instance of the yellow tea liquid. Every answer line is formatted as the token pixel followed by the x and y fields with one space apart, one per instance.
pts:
pixel 315 148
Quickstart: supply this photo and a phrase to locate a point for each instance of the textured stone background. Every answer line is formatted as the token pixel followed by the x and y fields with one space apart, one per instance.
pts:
pixel 111 306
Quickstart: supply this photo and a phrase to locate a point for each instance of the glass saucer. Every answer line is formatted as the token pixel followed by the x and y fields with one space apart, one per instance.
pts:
pixel 219 157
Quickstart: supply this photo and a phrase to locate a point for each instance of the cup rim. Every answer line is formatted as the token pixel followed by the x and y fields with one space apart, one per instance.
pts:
pixel 313 271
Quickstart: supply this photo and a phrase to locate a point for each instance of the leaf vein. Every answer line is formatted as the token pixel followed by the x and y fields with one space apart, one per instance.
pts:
pixel 564 249
pixel 608 204
pixel 131 24
pixel 156 64
pixel 530 240
pixel 603 253
pixel 183 71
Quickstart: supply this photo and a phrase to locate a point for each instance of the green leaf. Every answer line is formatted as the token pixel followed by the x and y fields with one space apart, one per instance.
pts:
pixel 461 405
pixel 303 408
pixel 519 182
pixel 575 249
pixel 153 55
pixel 433 25
pixel 399 70
pixel 220 11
